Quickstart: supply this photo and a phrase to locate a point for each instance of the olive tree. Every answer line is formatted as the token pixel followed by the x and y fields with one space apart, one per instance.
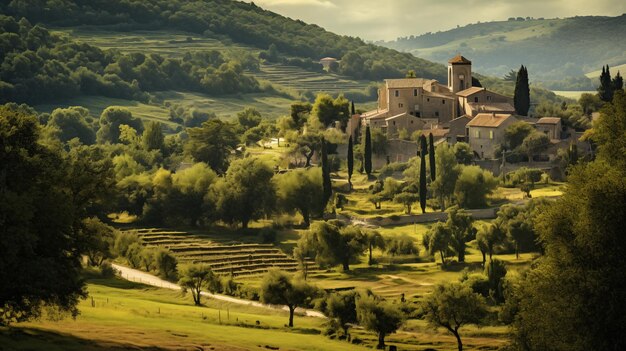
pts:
pixel 379 317
pixel 278 288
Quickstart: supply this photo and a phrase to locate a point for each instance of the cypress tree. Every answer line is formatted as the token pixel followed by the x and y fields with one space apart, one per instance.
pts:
pixel 326 183
pixel 605 90
pixel 423 174
pixel 367 157
pixel 350 161
pixel 521 98
pixel 152 138
pixel 618 83
pixel 431 154
pixel 353 110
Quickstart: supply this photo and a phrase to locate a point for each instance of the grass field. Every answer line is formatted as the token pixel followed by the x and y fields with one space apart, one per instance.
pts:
pixel 130 316
pixel 573 94
pixel 613 69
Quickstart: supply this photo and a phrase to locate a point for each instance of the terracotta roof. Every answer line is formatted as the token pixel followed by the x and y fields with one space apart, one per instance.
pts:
pixel 458 59
pixel 437 132
pixel 406 83
pixel 549 120
pixel 489 120
pixel 470 91
pixel 438 95
pixel 492 107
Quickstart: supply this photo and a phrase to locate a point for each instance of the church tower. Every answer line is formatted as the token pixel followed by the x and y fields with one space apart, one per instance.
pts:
pixel 459 73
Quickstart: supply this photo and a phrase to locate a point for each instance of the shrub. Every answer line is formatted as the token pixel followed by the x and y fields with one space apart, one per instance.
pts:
pixel 268 235
pixel 107 270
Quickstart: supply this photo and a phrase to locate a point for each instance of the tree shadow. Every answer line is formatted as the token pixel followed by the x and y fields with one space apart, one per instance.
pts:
pixel 25 338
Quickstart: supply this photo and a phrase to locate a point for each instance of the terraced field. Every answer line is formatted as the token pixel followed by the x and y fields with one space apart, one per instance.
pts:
pixel 223 256
pixel 300 79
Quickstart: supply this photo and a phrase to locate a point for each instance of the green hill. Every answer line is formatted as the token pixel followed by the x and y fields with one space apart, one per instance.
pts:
pixel 552 49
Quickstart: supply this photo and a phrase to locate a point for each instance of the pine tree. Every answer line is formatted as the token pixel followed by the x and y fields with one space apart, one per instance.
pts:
pixel 352 109
pixel 152 138
pixel 350 161
pixel 618 82
pixel 521 98
pixel 326 182
pixel 367 157
pixel 431 154
pixel 605 90
pixel 423 174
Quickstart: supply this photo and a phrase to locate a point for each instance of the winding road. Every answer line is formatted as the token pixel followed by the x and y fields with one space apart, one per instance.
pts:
pixel 149 279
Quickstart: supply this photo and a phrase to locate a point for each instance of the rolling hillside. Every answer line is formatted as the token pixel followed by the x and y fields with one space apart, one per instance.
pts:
pixel 552 49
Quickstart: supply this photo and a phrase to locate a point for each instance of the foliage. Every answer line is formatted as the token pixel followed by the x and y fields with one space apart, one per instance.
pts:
pixel 350 159
pixel 72 122
pixel 111 119
pixel 342 308
pixel 153 138
pixel 463 153
pixel 367 157
pixel 328 110
pixel 609 132
pixel 100 239
pixel 246 192
pixel 401 245
pixel 423 181
pixel 515 134
pixel 212 143
pixel 447 174
pixel 333 244
pixel 379 317
pixel 196 277
pixel 452 306
pixel 521 97
pixel 278 288
pixel 41 244
pixel 301 190
pixel 437 240
pixel 473 186
pixel 459 225
pixel 572 298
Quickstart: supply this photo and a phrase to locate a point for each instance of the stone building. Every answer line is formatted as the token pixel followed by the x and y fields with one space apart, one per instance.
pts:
pixel 486 132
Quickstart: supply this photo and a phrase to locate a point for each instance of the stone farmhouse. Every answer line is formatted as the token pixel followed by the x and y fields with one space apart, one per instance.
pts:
pixel 418 103
pixel 454 112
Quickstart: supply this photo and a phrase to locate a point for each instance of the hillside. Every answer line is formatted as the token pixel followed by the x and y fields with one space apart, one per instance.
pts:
pixel 552 49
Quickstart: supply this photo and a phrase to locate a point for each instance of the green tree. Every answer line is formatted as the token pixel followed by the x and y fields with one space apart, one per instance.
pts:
pixel 301 190
pixel 367 156
pixel 327 185
pixel 212 144
pixel 334 244
pixel 40 248
pixel 535 143
pixel 438 240
pixel 72 122
pixel 165 263
pixel 609 132
pixel 196 277
pixel 521 97
pixel 246 193
pixel 342 308
pixel 463 153
pixel 249 118
pixel 407 199
pixel 423 180
pixel 110 121
pixel 328 110
pixel 490 235
pixel 99 238
pixel 459 224
pixel 617 83
pixel 379 317
pixel 278 288
pixel 452 306
pixel 495 271
pixel 431 157
pixel 473 186
pixel 153 138
pixel 572 299
pixel 300 112
pixel 374 240
pixel 605 90
pixel 448 173
pixel 350 160
pixel 515 134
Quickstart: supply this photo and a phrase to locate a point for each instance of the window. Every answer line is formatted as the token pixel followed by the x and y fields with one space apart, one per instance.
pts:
pixel 400 105
pixel 476 99
pixel 488 97
pixel 443 102
pixel 418 114
pixel 436 113
pixel 477 134
pixel 491 134
pixel 411 122
pixel 414 92
pixel 428 99
pixel 394 123
pixel 397 93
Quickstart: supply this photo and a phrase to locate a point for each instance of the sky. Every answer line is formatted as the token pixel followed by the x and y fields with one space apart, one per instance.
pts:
pixel 389 19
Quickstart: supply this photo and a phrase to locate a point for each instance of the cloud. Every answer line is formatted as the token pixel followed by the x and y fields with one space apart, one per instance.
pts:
pixel 389 19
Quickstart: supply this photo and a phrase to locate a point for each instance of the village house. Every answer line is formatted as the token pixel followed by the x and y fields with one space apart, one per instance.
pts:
pixel 327 62
pixel 486 132
pixel 422 104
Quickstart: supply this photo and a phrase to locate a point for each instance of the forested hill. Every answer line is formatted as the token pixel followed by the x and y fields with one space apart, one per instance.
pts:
pixel 552 49
pixel 242 22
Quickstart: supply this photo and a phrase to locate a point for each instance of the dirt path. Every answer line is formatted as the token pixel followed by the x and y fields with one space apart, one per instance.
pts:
pixel 149 279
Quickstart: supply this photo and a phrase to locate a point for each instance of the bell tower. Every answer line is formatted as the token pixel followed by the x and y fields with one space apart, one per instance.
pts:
pixel 459 73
